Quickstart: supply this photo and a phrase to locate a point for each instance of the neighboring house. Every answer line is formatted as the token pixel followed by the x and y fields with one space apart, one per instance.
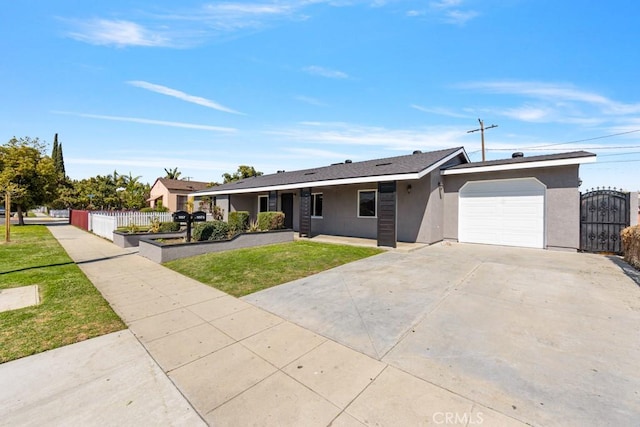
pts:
pixel 173 193
pixel 424 197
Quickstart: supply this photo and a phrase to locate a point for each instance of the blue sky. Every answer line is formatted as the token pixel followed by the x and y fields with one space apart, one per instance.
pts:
pixel 139 86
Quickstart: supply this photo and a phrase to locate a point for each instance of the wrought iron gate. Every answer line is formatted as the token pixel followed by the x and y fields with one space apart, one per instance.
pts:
pixel 603 215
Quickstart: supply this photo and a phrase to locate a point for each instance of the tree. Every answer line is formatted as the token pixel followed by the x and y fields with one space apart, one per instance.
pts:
pixel 58 159
pixel 242 173
pixel 133 193
pixel 172 173
pixel 27 174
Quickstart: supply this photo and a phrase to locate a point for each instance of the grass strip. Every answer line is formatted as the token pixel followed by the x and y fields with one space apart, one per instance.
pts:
pixel 244 271
pixel 71 308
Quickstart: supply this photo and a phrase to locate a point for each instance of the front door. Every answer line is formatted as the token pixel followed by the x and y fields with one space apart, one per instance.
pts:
pixel 287 209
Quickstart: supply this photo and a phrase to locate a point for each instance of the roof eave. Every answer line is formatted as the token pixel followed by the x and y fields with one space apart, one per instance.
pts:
pixel 522 165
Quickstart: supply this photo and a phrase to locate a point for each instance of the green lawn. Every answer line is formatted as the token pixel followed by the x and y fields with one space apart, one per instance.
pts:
pixel 244 271
pixel 71 308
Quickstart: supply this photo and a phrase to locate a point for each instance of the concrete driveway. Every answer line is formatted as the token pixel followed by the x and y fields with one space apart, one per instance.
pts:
pixel 548 338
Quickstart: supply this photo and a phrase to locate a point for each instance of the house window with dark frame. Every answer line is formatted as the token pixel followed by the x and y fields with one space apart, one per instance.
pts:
pixel 181 203
pixel 316 205
pixel 263 203
pixel 367 203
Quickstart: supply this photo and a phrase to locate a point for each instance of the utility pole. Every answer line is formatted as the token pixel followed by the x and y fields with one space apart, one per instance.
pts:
pixel 482 129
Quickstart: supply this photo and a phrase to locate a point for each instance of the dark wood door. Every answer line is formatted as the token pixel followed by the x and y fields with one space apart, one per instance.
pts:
pixel 287 209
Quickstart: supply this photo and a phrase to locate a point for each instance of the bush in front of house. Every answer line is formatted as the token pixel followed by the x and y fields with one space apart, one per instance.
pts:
pixel 168 227
pixel 238 221
pixel 631 245
pixel 159 208
pixel 210 230
pixel 270 221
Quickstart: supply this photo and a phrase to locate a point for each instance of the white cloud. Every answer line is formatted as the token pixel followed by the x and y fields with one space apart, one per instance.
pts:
pixel 556 103
pixel 181 95
pixel 445 4
pixel 452 11
pixel 358 135
pixel 183 27
pixel 310 100
pixel 440 111
pixel 305 153
pixel 149 162
pixel 149 121
pixel 459 17
pixel 118 33
pixel 326 72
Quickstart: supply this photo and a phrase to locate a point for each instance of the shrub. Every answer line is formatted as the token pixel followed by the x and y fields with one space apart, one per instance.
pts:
pixel 156 209
pixel 217 212
pixel 167 227
pixel 154 227
pixel 238 221
pixel 270 221
pixel 211 230
pixel 631 245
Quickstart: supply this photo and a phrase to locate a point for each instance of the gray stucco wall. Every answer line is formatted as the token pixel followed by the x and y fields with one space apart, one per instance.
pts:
pixel 420 211
pixel 223 202
pixel 562 204
pixel 246 202
pixel 340 212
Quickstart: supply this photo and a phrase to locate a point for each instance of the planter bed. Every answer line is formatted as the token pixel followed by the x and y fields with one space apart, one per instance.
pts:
pixel 159 252
pixel 128 240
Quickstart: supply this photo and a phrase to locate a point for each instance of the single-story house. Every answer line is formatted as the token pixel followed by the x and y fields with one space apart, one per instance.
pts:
pixel 424 197
pixel 173 193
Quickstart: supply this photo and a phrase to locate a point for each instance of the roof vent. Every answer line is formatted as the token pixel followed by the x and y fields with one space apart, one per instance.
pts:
pixel 383 164
pixel 348 161
pixel 281 171
pixel 417 152
pixel 517 154
pixel 309 173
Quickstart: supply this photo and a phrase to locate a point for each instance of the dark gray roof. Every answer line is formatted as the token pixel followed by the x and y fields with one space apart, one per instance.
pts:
pixel 412 163
pixel 517 160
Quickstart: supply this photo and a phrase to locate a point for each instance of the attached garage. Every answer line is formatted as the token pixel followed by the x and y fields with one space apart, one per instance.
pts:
pixel 508 212
pixel 522 201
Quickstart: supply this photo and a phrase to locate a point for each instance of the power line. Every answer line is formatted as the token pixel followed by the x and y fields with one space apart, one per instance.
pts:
pixel 576 148
pixel 583 140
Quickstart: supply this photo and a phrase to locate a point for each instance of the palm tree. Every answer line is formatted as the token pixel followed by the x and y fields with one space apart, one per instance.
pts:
pixel 172 173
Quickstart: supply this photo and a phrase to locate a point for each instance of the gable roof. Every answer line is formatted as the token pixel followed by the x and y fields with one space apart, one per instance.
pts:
pixel 412 166
pixel 548 160
pixel 181 185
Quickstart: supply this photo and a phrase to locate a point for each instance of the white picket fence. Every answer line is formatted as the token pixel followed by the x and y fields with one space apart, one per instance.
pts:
pixel 59 213
pixel 104 223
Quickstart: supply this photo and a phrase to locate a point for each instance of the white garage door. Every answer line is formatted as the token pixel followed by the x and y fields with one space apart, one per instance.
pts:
pixel 504 212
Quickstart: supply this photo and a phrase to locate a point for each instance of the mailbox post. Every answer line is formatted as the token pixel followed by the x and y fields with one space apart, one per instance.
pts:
pixel 186 217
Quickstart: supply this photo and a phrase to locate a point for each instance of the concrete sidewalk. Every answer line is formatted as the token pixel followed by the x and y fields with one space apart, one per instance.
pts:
pixel 240 365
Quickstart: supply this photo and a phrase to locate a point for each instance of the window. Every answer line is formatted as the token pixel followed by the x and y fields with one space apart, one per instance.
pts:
pixel 181 202
pixel 316 205
pixel 263 203
pixel 367 203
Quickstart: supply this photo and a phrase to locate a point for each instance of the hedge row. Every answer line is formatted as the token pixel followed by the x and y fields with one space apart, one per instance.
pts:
pixel 631 245
pixel 238 221
pixel 270 221
pixel 210 230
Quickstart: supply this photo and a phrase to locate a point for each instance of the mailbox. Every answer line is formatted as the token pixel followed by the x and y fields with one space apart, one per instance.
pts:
pixel 199 216
pixel 181 216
